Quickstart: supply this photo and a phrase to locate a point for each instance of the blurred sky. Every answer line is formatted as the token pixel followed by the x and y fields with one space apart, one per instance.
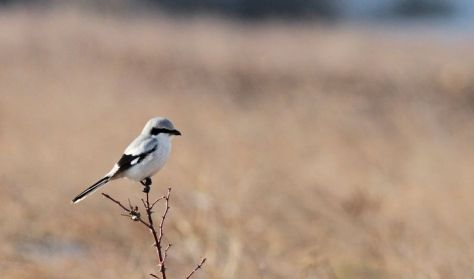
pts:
pixel 450 13
pixel 448 18
pixel 458 18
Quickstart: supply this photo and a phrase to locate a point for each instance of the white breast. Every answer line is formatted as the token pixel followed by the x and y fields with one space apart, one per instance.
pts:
pixel 153 162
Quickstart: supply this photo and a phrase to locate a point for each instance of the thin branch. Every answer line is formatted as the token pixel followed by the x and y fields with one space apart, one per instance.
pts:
pixel 159 199
pixel 196 268
pixel 153 231
pixel 157 233
pixel 166 252
pixel 134 214
pixel 165 256
pixel 116 201
pixel 163 217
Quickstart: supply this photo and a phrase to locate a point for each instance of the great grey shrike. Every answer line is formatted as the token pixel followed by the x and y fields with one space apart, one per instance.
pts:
pixel 142 158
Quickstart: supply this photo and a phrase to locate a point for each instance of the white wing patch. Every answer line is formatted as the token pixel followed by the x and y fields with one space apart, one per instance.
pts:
pixel 134 161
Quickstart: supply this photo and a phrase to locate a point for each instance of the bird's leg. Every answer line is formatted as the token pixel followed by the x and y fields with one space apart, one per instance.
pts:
pixel 146 184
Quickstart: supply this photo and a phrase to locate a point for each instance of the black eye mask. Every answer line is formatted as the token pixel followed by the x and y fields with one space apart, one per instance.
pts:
pixel 156 131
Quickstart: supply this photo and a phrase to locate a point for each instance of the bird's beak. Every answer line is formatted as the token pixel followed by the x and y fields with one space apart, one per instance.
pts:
pixel 176 133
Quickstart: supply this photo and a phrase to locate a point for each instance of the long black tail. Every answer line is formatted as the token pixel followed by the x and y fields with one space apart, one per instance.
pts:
pixel 91 189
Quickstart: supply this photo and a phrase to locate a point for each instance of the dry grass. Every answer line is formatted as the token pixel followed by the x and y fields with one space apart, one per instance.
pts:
pixel 308 151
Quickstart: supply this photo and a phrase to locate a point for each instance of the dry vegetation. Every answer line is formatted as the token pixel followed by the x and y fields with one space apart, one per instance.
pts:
pixel 308 151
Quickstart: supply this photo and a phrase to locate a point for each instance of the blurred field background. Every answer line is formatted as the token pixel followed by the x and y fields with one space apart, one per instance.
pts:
pixel 310 150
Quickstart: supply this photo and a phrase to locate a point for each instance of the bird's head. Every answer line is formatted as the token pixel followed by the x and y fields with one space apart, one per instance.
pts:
pixel 160 126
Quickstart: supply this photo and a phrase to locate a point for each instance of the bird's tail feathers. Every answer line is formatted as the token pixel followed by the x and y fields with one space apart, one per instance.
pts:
pixel 91 189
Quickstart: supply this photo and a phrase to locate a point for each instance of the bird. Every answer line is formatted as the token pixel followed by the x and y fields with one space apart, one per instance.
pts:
pixel 143 157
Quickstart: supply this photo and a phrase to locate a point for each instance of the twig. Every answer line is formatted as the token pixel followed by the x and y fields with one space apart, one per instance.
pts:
pixel 149 212
pixel 166 252
pixel 196 268
pixel 159 199
pixel 116 201
pixel 162 223
pixel 134 214
pixel 157 233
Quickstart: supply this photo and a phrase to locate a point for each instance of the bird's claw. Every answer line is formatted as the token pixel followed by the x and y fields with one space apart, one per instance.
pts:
pixel 146 184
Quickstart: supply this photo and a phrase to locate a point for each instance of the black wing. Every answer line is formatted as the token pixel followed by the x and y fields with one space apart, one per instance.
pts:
pixel 128 160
